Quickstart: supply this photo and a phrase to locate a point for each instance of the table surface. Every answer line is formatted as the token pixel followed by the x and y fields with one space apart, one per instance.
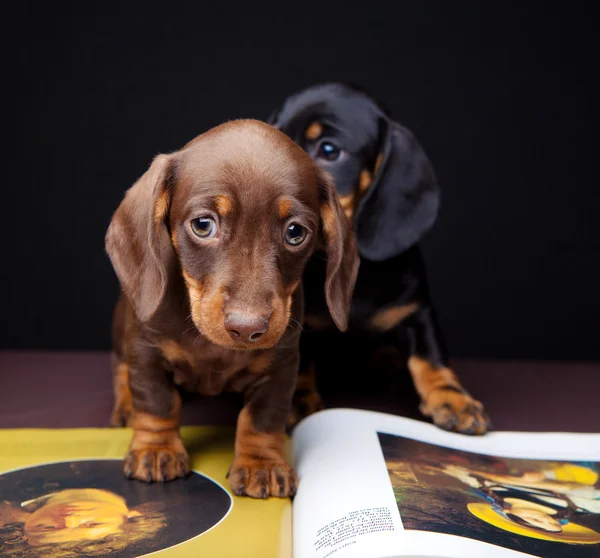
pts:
pixel 73 389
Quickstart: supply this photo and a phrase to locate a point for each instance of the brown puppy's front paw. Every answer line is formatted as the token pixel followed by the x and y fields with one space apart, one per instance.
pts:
pixel 158 463
pixel 453 410
pixel 261 478
pixel 303 405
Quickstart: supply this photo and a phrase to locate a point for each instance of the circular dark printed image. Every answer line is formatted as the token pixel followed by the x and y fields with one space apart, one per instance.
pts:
pixel 87 508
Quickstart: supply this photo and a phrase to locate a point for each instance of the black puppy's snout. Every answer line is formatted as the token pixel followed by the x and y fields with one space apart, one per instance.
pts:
pixel 246 327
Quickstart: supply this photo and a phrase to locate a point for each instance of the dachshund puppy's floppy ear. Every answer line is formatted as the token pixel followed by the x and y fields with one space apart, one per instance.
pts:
pixel 342 253
pixel 272 120
pixel 137 241
pixel 402 202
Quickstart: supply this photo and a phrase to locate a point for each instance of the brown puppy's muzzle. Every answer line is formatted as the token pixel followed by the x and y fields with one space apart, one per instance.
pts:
pixel 245 318
pixel 245 326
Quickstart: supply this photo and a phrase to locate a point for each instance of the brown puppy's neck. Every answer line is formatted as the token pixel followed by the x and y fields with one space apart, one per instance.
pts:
pixel 196 363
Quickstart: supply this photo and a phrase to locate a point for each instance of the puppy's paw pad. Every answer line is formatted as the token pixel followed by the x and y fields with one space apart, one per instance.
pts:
pixel 156 464
pixel 260 478
pixel 456 411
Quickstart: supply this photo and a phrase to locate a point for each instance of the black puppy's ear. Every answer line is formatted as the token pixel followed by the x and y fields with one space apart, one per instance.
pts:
pixel 402 202
pixel 137 240
pixel 272 120
pixel 342 253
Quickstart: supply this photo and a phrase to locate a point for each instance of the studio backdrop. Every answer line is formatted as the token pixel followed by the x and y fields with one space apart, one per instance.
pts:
pixel 498 94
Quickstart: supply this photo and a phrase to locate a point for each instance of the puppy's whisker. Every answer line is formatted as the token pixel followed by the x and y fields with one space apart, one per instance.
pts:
pixel 296 322
pixel 191 328
pixel 286 347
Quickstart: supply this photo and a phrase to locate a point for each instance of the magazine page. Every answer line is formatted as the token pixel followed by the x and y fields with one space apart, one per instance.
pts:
pixel 63 493
pixel 375 486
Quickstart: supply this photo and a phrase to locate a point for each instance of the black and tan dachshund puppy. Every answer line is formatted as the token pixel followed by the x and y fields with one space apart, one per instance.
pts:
pixel 389 191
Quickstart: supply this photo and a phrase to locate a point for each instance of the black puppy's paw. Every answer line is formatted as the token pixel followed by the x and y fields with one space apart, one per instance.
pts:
pixel 456 411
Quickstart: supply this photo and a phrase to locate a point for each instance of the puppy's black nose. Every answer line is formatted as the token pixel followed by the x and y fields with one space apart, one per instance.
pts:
pixel 245 327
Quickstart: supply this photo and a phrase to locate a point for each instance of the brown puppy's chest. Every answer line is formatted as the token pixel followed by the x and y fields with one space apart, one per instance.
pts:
pixel 201 366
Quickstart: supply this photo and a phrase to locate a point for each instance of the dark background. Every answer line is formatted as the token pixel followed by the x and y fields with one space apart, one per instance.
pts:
pixel 499 94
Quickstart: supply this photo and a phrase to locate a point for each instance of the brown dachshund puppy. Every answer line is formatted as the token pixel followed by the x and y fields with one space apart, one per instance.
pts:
pixel 210 246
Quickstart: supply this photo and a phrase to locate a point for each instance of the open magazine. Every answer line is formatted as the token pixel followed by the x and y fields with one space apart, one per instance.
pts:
pixel 377 486
pixel 371 486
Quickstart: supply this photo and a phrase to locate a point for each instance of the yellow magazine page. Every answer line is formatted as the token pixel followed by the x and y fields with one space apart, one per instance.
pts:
pixel 62 494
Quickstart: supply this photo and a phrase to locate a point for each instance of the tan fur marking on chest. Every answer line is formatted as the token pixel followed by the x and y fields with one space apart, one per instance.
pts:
pixel 385 320
pixel 261 362
pixel 174 352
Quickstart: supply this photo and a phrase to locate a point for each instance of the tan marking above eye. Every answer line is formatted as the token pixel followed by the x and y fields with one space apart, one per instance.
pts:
pixel 284 208
pixel 386 319
pixel 365 180
pixel 314 131
pixel 223 205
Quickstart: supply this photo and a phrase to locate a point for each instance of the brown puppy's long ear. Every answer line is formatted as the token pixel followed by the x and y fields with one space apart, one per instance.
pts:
pixel 137 241
pixel 342 253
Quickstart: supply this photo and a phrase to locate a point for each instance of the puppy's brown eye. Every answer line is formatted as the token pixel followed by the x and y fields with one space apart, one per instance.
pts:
pixel 328 151
pixel 295 234
pixel 204 227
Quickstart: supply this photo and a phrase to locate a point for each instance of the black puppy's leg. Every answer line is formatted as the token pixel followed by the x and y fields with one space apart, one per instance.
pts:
pixel 443 398
pixel 306 399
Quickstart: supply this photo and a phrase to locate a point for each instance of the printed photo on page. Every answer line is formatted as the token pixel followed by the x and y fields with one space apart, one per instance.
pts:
pixel 538 507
